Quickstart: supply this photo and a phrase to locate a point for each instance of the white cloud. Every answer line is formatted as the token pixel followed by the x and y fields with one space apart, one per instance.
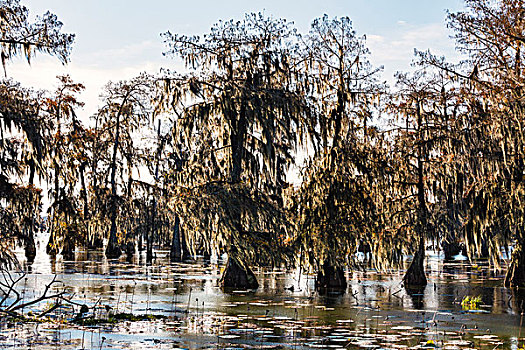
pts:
pixel 93 70
pixel 395 51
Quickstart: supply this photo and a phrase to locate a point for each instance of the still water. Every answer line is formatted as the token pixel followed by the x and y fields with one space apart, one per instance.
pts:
pixel 284 313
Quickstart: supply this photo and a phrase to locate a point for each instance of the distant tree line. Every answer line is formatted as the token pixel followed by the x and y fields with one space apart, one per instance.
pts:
pixel 198 161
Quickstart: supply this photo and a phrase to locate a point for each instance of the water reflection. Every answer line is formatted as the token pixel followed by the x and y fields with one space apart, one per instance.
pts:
pixel 376 311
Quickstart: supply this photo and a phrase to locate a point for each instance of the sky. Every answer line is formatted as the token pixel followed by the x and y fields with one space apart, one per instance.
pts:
pixel 118 39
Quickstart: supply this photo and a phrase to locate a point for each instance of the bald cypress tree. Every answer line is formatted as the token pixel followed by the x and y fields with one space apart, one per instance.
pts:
pixel 241 117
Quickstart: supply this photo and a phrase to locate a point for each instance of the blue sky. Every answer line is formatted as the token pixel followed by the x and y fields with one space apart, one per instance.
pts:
pixel 117 39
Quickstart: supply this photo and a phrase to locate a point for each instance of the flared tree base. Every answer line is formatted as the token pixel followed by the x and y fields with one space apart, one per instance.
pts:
pixel 415 276
pixel 130 251
pixel 238 276
pixel 51 247
pixel 416 295
pixel 451 249
pixel 113 250
pixel 330 279
pixel 68 249
pixel 176 247
pixel 95 243
pixel 30 250
pixel 515 276
pixel 175 255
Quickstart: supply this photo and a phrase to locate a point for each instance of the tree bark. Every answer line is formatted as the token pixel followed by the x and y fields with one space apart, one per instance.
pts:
pixel 185 250
pixel 95 241
pixel 149 248
pixel 30 248
pixel 153 229
pixel 51 246
pixel 415 275
pixel 451 248
pixel 113 249
pixel 515 276
pixel 176 248
pixel 238 275
pixel 330 279
pixel 149 239
pixel 130 250
pixel 68 249
pixel 83 192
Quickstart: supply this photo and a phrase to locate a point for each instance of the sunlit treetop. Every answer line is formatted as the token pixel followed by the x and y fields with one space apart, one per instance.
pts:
pixel 18 36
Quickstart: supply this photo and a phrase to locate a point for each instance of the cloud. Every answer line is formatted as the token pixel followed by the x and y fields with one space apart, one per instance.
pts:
pixel 395 51
pixel 118 56
pixel 93 70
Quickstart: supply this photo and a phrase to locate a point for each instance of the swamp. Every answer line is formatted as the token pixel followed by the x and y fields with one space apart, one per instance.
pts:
pixel 181 306
pixel 268 187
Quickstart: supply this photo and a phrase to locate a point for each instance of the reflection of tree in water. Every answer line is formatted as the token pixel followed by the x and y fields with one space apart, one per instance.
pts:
pixel 332 300
pixel 417 296
pixel 517 300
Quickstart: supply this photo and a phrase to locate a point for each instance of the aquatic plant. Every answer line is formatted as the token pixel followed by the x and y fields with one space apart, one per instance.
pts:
pixel 471 302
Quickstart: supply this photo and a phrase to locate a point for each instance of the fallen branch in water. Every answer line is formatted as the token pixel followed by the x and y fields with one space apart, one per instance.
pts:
pixel 15 301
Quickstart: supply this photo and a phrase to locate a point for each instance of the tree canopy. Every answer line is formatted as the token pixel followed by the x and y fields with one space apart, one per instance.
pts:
pixel 201 159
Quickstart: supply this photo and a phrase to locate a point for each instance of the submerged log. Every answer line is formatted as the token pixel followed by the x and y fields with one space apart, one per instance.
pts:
pixel 415 275
pixel 238 275
pixel 515 276
pixel 330 279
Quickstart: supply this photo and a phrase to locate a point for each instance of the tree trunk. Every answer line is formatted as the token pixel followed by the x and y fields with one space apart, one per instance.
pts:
pixel 176 248
pixel 51 248
pixel 330 279
pixel 515 276
pixel 30 248
pixel 149 249
pixel 185 250
pixel 140 243
pixel 415 275
pixel 95 241
pixel 149 238
pixel 68 249
pixel 83 192
pixel 113 249
pixel 238 276
pixel 451 248
pixel 130 250
pixel 153 229
pixel 417 296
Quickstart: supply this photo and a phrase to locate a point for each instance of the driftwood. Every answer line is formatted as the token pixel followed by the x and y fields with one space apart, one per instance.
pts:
pixel 12 302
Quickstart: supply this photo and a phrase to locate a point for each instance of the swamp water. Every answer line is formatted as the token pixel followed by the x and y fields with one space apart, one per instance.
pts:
pixel 375 313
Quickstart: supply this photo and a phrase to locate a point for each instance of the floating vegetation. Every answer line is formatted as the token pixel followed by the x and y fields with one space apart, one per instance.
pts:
pixel 161 306
pixel 120 317
pixel 471 303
